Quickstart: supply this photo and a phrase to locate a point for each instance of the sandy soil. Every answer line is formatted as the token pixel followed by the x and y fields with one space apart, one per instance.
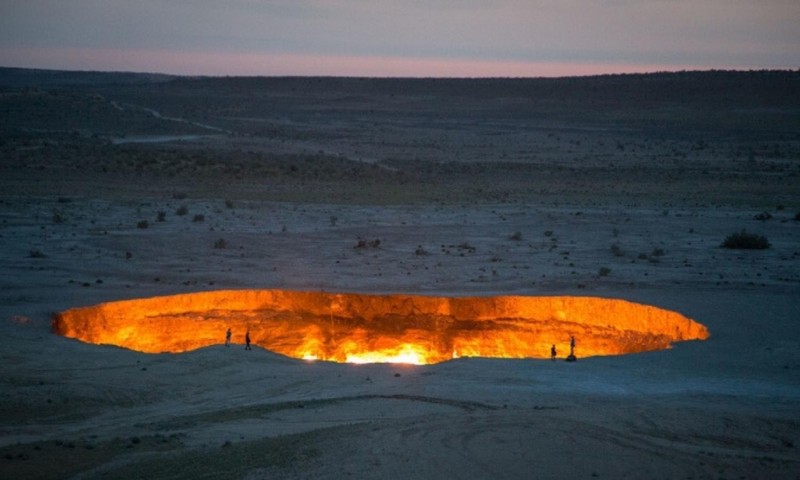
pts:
pixel 724 408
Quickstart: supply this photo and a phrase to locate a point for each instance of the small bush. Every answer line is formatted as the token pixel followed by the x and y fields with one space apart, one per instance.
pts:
pixel 617 250
pixel 603 271
pixel 37 254
pixel 142 224
pixel 58 218
pixel 221 243
pixel 182 210
pixel 763 216
pixel 229 203
pixel 199 218
pixel 517 236
pixel 466 247
pixel 161 216
pixel 368 243
pixel 745 241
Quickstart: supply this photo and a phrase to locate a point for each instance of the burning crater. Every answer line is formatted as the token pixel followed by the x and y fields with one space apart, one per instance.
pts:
pixel 348 327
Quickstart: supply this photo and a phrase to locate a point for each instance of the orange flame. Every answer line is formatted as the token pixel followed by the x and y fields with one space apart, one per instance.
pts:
pixel 360 328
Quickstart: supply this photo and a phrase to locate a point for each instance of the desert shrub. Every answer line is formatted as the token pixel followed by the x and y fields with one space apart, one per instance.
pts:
pixel 466 247
pixel 763 216
pixel 603 271
pixel 179 195
pixel 142 224
pixel 368 243
pixel 797 217
pixel 617 250
pixel 333 219
pixel 58 218
pixel 221 243
pixel 199 218
pixel 420 251
pixel 161 216
pixel 745 241
pixel 36 254
pixel 517 236
pixel 182 210
pixel 548 233
pixel 657 252
pixel 229 203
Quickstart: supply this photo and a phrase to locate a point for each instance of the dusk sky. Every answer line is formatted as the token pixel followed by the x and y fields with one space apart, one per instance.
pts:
pixel 473 38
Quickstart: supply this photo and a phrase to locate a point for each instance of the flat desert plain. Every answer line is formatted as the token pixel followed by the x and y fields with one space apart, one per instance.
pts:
pixel 122 186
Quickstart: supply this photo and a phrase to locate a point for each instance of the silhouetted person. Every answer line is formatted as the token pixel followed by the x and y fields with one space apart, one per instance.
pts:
pixel 247 341
pixel 228 338
pixel 571 357
pixel 553 353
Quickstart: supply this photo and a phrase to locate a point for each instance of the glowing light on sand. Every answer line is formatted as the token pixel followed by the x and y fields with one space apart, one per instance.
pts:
pixel 358 328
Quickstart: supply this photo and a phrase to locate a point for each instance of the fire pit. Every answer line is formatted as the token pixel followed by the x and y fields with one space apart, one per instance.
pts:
pixel 361 328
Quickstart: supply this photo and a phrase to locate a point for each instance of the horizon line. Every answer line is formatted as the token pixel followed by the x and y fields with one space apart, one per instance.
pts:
pixel 218 64
pixel 392 77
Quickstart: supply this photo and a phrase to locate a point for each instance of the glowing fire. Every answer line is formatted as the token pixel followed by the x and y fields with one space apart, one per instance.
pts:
pixel 406 354
pixel 360 328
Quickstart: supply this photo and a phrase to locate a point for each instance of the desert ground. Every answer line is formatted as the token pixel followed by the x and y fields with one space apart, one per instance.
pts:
pixel 120 186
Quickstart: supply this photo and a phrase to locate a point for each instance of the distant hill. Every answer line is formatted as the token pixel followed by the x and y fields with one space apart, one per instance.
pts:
pixel 25 77
pixel 762 88
pixel 732 103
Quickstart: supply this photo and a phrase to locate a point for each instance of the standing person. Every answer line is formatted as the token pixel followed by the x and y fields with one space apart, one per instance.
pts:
pixel 228 338
pixel 247 340
pixel 571 357
pixel 553 353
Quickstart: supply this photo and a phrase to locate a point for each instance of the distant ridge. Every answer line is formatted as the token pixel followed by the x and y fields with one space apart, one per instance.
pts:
pixel 766 87
pixel 31 77
pixel 707 90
